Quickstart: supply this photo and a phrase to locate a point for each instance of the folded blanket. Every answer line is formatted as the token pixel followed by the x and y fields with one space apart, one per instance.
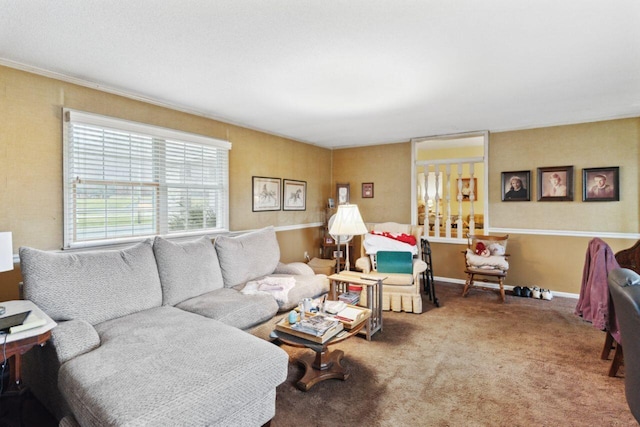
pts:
pixel 374 243
pixel 401 237
pixel 278 287
pixel 488 262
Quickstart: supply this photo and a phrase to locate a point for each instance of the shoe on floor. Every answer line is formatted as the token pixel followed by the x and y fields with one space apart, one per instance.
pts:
pixel 547 295
pixel 535 292
pixel 526 292
pixel 517 291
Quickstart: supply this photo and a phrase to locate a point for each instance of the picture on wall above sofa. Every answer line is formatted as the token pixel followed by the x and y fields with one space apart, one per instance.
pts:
pixel 266 194
pixel 294 195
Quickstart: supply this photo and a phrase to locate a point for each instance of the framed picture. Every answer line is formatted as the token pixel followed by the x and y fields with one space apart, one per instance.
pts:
pixel 367 190
pixel 342 193
pixel 294 195
pixel 328 240
pixel 601 184
pixel 266 194
pixel 555 184
pixel 466 189
pixel 516 186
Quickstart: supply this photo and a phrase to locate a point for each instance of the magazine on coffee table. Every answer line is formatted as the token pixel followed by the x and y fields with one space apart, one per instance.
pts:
pixel 319 328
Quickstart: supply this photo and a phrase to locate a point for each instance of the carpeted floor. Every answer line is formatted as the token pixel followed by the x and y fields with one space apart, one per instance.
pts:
pixel 472 362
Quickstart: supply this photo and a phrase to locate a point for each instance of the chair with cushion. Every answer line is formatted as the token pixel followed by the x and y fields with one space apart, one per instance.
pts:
pixel 392 250
pixel 624 285
pixel 485 261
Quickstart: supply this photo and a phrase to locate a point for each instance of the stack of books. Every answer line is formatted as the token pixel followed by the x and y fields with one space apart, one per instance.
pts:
pixel 351 298
pixel 318 328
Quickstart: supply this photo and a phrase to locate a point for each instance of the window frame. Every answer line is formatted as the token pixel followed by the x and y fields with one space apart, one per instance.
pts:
pixel 158 139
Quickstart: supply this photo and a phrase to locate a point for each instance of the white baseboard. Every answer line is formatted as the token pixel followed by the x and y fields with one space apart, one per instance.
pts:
pixel 508 288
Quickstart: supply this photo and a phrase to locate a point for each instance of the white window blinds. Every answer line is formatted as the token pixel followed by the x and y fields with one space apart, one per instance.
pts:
pixel 126 181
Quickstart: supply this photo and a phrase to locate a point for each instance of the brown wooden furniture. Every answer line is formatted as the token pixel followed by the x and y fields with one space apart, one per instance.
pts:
pixel 14 351
pixel 626 258
pixel 323 364
pixel 494 275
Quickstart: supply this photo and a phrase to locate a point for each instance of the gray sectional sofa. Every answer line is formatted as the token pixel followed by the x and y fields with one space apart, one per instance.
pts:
pixel 156 334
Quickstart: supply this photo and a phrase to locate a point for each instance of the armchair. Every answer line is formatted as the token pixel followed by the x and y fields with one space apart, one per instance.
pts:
pixel 400 291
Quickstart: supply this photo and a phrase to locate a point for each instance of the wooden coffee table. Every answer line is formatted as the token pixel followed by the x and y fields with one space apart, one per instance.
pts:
pixel 323 364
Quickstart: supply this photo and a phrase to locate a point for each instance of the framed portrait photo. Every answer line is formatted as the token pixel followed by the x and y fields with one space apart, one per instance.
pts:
pixel 516 186
pixel 266 194
pixel 555 184
pixel 466 189
pixel 342 193
pixel 601 184
pixel 294 195
pixel 367 190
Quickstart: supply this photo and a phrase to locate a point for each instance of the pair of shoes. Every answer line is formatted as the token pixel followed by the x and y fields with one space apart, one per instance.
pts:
pixel 517 291
pixel 536 292
pixel 546 294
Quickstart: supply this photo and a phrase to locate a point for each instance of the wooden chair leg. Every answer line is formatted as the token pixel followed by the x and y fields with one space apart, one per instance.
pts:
pixel 502 289
pixel 618 360
pixel 467 285
pixel 608 346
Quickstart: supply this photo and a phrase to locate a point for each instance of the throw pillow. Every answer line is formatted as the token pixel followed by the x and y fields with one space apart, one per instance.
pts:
pixel 248 256
pixel 187 269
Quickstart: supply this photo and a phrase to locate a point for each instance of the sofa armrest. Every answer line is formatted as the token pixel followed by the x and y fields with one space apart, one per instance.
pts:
pixel 73 338
pixel 364 264
pixel 294 268
pixel 418 267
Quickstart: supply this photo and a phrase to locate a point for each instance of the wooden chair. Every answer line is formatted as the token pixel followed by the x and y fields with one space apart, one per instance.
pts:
pixel 489 267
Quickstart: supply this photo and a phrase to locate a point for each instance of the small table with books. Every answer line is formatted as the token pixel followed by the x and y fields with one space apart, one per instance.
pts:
pixel 35 330
pixel 340 283
pixel 323 364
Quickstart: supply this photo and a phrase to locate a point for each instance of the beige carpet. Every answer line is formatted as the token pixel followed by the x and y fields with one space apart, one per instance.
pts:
pixel 472 362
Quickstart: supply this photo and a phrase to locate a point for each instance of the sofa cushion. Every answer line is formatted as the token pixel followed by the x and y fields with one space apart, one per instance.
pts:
pixel 295 268
pixel 305 287
pixel 232 307
pixel 94 286
pixel 186 269
pixel 178 368
pixel 248 256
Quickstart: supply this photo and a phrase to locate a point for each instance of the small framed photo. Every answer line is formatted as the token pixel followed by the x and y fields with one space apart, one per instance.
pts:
pixel 294 195
pixel 601 184
pixel 555 184
pixel 516 186
pixel 328 240
pixel 342 193
pixel 466 189
pixel 367 190
pixel 266 194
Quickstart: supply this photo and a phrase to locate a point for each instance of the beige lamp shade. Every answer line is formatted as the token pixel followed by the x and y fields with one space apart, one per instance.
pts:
pixel 348 222
pixel 6 251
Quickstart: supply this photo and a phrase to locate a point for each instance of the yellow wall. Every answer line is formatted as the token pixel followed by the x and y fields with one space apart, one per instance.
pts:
pixel 31 164
pixel 537 257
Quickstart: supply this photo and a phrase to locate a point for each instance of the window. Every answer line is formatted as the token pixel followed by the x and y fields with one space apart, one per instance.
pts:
pixel 126 181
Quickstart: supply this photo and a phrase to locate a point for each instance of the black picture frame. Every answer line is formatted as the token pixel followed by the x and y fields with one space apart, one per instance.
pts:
pixel 509 191
pixel 601 184
pixel 555 184
pixel 294 195
pixel 266 194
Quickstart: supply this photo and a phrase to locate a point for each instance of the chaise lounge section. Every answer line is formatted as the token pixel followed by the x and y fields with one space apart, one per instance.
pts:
pixel 155 334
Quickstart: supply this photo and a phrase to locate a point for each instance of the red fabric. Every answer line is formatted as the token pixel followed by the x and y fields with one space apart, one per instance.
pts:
pixel 594 303
pixel 406 238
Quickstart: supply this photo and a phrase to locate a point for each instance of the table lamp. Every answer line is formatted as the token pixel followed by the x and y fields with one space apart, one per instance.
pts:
pixel 348 223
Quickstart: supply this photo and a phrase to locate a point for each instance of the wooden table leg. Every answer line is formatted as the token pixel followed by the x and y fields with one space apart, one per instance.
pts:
pixel 320 366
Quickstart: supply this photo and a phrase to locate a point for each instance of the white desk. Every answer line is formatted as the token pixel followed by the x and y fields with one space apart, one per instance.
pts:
pixel 19 343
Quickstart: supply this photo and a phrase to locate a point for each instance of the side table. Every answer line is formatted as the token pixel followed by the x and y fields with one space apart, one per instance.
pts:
pixel 19 343
pixel 340 283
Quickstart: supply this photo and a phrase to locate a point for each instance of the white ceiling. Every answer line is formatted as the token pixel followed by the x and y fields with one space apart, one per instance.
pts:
pixel 344 73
